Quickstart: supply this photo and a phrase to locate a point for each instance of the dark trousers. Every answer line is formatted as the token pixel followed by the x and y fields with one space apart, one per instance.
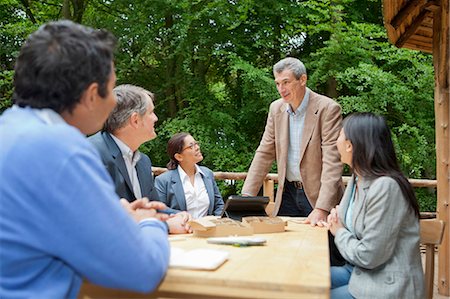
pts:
pixel 295 204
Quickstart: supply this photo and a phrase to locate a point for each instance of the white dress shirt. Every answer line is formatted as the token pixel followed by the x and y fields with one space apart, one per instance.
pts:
pixel 197 200
pixel 130 159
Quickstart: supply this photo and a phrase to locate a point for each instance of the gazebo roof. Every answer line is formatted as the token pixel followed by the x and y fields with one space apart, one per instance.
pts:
pixel 409 23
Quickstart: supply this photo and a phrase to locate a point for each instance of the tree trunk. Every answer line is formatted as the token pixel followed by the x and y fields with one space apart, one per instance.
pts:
pixel 74 10
pixel 170 90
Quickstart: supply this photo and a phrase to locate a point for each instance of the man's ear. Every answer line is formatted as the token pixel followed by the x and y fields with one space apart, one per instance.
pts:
pixel 303 79
pixel 178 157
pixel 134 120
pixel 90 96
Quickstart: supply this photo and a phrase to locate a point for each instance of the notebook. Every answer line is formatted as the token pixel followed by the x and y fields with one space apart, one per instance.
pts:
pixel 197 259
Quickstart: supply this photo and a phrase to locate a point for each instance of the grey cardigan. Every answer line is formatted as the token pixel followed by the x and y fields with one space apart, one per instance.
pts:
pixel 384 247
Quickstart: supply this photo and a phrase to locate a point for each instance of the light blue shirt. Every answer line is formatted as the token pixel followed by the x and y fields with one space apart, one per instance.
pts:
pixel 349 213
pixel 296 124
pixel 60 218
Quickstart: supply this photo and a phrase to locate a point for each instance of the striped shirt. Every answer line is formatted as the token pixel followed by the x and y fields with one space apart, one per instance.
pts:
pixel 296 124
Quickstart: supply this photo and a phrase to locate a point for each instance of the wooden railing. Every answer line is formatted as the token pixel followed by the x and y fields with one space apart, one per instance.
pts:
pixel 272 178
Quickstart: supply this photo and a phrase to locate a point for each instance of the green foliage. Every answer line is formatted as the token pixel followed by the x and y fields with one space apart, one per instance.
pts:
pixel 427 199
pixel 209 63
pixel 372 75
pixel 15 26
pixel 6 89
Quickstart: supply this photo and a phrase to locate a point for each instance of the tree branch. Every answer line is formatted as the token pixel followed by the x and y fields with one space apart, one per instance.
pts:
pixel 28 11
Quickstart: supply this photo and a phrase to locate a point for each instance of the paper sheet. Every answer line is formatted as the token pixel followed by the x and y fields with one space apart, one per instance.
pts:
pixel 198 259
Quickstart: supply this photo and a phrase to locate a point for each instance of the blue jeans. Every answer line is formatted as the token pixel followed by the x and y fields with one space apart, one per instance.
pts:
pixel 340 276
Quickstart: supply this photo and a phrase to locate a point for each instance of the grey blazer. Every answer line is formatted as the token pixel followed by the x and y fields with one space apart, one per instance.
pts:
pixel 384 247
pixel 170 191
pixel 114 163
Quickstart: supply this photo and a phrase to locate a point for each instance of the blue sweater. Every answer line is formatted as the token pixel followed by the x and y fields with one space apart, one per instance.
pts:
pixel 60 219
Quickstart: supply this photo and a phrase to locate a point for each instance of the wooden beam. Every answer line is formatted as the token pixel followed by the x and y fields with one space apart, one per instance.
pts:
pixel 240 176
pixel 407 11
pixel 441 58
pixel 434 5
pixel 444 46
pixel 420 183
pixel 419 43
pixel 425 28
pixel 268 190
pixel 426 40
pixel 412 28
pixel 416 47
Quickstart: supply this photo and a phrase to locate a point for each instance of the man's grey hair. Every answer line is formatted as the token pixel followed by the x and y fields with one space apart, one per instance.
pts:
pixel 130 99
pixel 290 63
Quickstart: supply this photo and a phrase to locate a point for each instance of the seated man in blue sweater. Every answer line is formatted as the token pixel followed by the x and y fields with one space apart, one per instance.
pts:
pixel 131 123
pixel 61 220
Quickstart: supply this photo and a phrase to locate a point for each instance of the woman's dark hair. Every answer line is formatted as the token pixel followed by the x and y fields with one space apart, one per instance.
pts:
pixel 58 62
pixel 175 146
pixel 373 152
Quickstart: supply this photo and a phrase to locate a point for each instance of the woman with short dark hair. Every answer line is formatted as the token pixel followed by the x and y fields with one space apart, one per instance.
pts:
pixel 376 226
pixel 187 186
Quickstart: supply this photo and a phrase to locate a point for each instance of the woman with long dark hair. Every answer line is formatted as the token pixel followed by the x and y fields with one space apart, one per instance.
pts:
pixel 187 186
pixel 376 226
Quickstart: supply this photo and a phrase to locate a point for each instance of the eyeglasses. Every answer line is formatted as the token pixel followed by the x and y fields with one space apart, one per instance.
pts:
pixel 191 146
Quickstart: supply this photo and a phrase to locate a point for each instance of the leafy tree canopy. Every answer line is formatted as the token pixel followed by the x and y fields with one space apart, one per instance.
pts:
pixel 209 63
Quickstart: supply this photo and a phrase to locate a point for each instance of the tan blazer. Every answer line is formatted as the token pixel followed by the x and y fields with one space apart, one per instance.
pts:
pixel 320 165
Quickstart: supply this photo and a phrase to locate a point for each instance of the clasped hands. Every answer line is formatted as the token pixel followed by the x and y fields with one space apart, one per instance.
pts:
pixel 333 222
pixel 142 208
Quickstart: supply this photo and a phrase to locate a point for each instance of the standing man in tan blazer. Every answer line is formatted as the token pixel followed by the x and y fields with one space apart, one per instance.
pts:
pixel 301 132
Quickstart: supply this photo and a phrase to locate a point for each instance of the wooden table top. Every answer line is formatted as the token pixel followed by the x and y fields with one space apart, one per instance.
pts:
pixel 293 264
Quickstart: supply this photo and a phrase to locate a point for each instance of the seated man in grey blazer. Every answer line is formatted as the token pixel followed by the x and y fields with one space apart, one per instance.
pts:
pixel 131 124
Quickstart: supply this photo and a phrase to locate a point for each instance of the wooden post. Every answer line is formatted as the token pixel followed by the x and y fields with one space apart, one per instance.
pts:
pixel 268 190
pixel 441 67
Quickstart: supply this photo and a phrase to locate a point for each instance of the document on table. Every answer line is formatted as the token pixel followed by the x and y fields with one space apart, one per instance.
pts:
pixel 197 259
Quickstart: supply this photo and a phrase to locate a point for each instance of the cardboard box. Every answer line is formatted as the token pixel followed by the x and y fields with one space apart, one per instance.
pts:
pixel 265 225
pixel 211 226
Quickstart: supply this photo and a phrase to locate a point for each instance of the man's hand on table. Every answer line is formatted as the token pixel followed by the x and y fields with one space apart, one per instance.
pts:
pixel 316 217
pixel 179 223
pixel 142 208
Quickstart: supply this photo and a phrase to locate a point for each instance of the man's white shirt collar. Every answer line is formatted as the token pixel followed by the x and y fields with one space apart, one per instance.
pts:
pixel 126 151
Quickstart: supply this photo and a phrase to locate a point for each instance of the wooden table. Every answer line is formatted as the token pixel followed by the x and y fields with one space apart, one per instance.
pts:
pixel 293 264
